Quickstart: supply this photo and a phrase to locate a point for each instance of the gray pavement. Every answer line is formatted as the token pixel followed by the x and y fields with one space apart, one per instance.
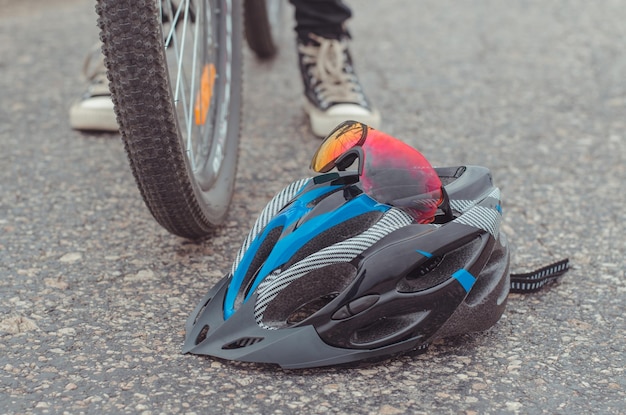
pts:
pixel 94 294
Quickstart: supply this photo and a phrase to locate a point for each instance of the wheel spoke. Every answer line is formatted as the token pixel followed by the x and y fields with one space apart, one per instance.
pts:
pixel 179 56
pixel 192 95
pixel 174 23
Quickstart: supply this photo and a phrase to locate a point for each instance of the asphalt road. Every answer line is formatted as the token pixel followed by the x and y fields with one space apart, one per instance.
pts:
pixel 94 294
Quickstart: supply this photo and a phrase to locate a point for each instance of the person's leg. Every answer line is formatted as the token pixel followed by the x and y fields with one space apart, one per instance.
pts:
pixel 94 109
pixel 323 17
pixel 333 93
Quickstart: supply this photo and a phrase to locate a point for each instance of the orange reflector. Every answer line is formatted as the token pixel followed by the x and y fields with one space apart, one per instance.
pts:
pixel 205 92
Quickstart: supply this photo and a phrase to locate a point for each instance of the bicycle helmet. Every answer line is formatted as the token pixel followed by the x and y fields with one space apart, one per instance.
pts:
pixel 356 264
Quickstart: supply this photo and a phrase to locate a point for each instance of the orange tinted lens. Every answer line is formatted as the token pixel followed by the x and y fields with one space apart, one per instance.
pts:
pixel 343 138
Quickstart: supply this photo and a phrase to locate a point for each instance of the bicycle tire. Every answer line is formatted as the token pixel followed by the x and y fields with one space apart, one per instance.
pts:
pixel 187 189
pixel 262 21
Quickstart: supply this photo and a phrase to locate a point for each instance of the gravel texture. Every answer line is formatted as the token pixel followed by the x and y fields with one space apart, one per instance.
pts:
pixel 94 294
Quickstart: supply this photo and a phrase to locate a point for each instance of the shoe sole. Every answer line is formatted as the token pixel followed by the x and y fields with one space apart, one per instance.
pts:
pixel 322 123
pixel 92 119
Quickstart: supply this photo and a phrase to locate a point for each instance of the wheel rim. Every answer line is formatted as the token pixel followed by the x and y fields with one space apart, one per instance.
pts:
pixel 200 79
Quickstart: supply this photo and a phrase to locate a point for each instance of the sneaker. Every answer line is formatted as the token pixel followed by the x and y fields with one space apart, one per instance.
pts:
pixel 332 90
pixel 94 110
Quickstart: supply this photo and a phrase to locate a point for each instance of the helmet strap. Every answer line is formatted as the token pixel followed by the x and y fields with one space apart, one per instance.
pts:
pixel 534 281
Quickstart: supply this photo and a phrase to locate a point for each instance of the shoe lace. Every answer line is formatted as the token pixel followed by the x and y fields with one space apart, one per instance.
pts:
pixel 95 71
pixel 332 76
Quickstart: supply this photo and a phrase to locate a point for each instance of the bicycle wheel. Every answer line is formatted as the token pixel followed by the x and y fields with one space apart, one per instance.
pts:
pixel 175 77
pixel 263 23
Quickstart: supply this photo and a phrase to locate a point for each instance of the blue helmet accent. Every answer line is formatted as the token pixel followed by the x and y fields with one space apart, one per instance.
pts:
pixel 295 235
pixel 465 278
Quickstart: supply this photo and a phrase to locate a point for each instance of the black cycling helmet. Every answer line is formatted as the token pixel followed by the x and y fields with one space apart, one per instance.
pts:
pixel 350 265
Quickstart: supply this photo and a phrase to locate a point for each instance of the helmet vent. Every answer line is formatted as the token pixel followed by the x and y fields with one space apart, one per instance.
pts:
pixel 307 295
pixel 437 269
pixel 202 335
pixel 387 329
pixel 310 308
pixel 423 277
pixel 426 267
pixel 199 313
pixel 319 199
pixel 257 262
pixel 242 342
pixel 345 230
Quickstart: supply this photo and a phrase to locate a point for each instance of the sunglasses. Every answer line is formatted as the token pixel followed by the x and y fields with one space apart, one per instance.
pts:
pixel 390 170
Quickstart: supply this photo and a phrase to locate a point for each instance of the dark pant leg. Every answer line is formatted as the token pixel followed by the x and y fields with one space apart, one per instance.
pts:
pixel 322 17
